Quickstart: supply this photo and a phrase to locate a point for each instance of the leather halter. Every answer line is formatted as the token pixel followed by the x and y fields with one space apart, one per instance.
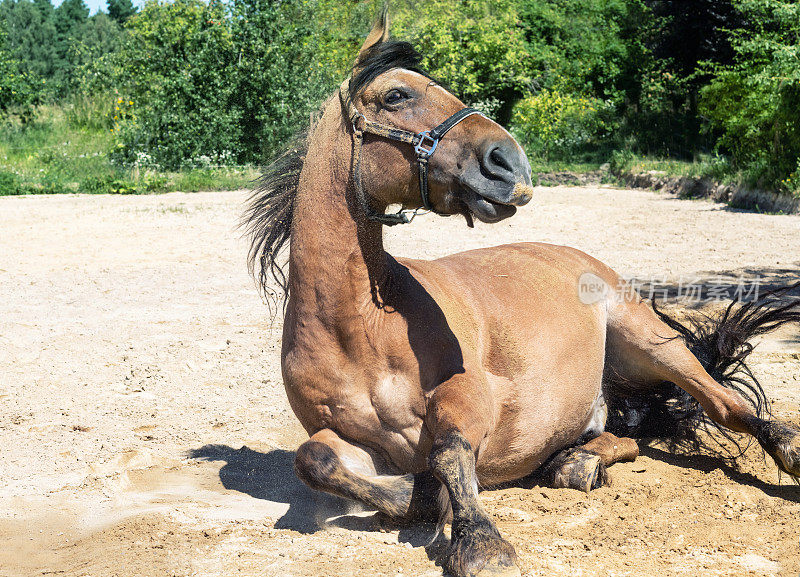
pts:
pixel 424 144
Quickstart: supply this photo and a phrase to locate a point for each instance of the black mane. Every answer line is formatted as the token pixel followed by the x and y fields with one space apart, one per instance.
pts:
pixel 381 58
pixel 267 220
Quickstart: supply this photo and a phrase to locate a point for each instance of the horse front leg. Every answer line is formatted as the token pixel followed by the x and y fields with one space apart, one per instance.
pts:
pixel 459 416
pixel 328 463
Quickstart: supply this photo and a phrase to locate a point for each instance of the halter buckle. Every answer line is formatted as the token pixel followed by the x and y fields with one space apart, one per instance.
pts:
pixel 426 145
pixel 354 120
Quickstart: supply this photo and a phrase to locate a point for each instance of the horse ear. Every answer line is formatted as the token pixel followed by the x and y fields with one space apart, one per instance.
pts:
pixel 379 32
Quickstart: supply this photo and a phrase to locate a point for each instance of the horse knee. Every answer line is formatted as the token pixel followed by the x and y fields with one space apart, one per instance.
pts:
pixel 448 454
pixel 316 464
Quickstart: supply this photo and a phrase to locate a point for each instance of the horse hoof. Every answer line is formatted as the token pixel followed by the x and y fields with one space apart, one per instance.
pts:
pixel 477 550
pixel 576 468
pixel 782 442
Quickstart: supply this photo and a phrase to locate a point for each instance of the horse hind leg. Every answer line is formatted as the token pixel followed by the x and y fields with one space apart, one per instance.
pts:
pixel 328 463
pixel 585 467
pixel 645 352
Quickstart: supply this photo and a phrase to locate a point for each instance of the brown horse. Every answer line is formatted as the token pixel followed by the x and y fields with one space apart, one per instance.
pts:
pixel 419 381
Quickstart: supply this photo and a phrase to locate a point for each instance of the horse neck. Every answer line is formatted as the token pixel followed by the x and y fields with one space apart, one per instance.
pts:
pixel 336 259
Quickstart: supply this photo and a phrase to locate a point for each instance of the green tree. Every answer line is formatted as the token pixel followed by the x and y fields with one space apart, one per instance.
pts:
pixel 685 38
pixel 176 67
pixel 280 72
pixel 755 101
pixel 475 47
pixel 70 16
pixel 592 47
pixel 15 91
pixel 31 38
pixel 70 19
pixel 120 10
pixel 91 55
pixel 221 81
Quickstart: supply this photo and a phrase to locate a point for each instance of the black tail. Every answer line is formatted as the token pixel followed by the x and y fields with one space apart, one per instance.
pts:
pixel 722 344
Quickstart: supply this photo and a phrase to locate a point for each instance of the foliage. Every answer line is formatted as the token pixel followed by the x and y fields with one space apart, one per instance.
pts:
pixel 593 47
pixel 51 44
pixel 755 101
pixel 53 153
pixel 711 166
pixel 185 93
pixel 176 62
pixel 15 90
pixel 120 10
pixel 476 48
pixel 684 39
pixel 31 38
pixel 558 123
pixel 277 84
pixel 204 82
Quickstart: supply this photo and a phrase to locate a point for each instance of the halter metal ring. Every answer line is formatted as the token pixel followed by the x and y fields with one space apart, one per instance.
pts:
pixel 426 145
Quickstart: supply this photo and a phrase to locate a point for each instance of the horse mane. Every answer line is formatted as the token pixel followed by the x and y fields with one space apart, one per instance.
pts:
pixel 267 218
pixel 381 58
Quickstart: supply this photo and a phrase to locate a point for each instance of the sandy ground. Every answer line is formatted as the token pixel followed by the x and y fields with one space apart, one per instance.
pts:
pixel 145 430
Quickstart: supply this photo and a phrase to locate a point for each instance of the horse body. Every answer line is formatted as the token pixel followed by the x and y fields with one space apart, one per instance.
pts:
pixel 541 373
pixel 439 319
pixel 417 379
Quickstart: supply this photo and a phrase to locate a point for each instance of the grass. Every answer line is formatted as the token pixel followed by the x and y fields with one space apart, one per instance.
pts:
pixel 717 169
pixel 65 149
pixel 713 167
pixel 540 165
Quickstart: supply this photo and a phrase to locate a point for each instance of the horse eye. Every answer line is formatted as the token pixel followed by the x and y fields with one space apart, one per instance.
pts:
pixel 394 96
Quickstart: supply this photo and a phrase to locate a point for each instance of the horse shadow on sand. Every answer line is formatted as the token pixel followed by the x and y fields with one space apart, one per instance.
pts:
pixel 708 463
pixel 270 476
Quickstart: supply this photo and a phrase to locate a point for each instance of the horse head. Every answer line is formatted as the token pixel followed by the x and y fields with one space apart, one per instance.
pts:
pixel 421 146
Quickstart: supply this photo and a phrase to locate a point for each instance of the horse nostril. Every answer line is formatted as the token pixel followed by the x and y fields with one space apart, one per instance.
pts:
pixel 497 162
pixel 498 158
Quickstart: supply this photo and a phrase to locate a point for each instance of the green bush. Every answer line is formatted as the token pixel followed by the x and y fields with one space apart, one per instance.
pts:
pixel 476 48
pixel 96 184
pixel 215 80
pixel 621 161
pixel 755 102
pixel 176 63
pixel 555 123
pixel 9 183
pixel 16 94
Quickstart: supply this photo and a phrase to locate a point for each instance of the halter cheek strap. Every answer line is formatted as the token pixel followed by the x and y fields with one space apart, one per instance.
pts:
pixel 424 144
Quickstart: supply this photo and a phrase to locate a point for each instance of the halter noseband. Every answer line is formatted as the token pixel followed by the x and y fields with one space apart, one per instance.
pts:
pixel 424 144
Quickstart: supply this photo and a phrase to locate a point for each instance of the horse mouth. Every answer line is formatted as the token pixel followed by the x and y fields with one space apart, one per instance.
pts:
pixel 483 208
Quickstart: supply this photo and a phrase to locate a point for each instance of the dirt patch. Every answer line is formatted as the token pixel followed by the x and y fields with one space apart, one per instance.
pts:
pixel 146 432
pixel 566 178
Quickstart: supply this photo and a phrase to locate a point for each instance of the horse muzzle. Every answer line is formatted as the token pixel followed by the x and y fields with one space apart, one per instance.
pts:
pixel 501 182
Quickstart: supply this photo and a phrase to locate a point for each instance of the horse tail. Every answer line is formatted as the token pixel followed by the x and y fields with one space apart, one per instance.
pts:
pixel 722 344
